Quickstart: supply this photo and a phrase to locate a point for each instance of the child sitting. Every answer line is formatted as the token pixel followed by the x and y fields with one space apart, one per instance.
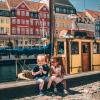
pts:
pixel 57 74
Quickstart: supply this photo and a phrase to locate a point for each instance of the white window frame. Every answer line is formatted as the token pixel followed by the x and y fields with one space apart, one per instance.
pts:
pixel 27 13
pixel 13 21
pixel 18 12
pixel 18 21
pixel 22 13
pixel 27 22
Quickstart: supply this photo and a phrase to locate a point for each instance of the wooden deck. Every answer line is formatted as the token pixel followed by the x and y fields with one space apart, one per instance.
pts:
pixel 22 83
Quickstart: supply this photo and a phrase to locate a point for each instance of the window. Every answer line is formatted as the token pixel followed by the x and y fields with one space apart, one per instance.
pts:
pixel 30 41
pixel 18 21
pixel 18 12
pixel 31 31
pixel 44 23
pixel 4 13
pixel 68 11
pixel 41 23
pixel 44 9
pixel 48 24
pixel 85 48
pixel 27 22
pixel 31 21
pixel 41 31
pixel 60 46
pixel 36 23
pixel 44 15
pixel 23 13
pixel 47 15
pixel 45 32
pixel 61 10
pixel 7 20
pixel 22 30
pixel 13 30
pixel 26 42
pixel 14 21
pixel 7 30
pixel 27 13
pixel 74 47
pixel 37 31
pixel 40 15
pixel 13 13
pixel 57 9
pixel 23 21
pixel 35 15
pixel 1 30
pixel 27 30
pixel 2 20
pixel 18 30
pixel 96 48
pixel 64 10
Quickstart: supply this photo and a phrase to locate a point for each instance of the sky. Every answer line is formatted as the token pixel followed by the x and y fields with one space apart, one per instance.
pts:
pixel 81 5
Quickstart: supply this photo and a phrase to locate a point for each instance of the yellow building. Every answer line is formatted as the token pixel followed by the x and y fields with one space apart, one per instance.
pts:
pixel 4 23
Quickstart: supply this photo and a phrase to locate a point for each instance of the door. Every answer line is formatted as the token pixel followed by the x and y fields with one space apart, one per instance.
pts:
pixel 86 57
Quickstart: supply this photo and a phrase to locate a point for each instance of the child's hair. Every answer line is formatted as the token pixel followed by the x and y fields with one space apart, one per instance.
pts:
pixel 59 62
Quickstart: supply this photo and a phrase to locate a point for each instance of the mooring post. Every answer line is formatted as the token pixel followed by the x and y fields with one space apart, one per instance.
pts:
pixel 16 68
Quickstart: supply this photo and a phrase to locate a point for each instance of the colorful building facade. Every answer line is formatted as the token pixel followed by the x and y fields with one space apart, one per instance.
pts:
pixel 95 18
pixel 4 22
pixel 63 10
pixel 28 21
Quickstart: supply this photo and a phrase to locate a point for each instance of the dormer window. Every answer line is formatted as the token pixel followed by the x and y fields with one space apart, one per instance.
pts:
pixel 23 6
pixel 13 13
pixel 57 9
pixel 64 10
pixel 44 9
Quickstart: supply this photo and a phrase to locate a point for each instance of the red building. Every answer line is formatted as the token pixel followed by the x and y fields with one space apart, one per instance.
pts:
pixel 28 19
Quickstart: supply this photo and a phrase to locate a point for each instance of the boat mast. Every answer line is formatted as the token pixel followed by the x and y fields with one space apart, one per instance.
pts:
pixel 52 24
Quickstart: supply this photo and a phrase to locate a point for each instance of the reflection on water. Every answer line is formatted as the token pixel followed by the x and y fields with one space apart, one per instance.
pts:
pixel 7 73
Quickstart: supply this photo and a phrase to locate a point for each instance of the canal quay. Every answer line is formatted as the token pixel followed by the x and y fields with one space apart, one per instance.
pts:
pixel 85 92
pixel 84 86
pixel 56 29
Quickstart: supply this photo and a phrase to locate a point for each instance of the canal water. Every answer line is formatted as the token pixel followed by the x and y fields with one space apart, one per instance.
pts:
pixel 7 73
pixel 8 69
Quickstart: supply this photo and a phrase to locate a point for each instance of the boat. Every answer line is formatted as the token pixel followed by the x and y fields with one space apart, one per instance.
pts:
pixel 78 51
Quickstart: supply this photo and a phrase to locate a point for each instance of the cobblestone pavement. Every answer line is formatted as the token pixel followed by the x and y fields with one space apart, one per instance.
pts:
pixel 85 92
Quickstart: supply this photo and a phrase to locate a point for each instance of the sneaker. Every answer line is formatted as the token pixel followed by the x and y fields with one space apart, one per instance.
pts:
pixel 55 90
pixel 49 92
pixel 65 92
pixel 41 93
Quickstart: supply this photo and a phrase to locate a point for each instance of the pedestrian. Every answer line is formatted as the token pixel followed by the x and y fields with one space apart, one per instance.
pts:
pixel 40 72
